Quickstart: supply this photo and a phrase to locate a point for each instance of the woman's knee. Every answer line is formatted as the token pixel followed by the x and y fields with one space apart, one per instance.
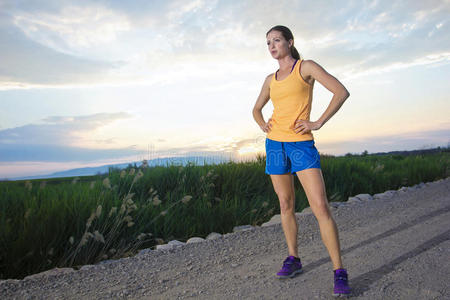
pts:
pixel 287 203
pixel 321 209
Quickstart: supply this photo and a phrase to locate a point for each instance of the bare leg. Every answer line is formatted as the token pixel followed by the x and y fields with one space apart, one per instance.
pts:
pixel 314 186
pixel 284 188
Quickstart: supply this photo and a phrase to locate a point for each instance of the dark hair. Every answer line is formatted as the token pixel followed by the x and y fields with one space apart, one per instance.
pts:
pixel 287 34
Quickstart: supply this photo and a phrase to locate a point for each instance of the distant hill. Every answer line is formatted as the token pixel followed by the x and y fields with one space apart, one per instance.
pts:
pixel 406 152
pixel 198 160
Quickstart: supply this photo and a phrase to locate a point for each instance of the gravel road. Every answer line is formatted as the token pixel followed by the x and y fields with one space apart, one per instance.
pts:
pixel 394 246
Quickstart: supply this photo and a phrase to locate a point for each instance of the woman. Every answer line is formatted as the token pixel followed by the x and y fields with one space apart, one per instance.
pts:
pixel 290 146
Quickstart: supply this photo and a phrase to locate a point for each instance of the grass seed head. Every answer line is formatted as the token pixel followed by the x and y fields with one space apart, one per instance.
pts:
pixel 112 211
pixel 98 212
pixel 186 199
pixel 107 183
pixel 89 220
pixel 85 238
pixel 156 201
pixel 99 237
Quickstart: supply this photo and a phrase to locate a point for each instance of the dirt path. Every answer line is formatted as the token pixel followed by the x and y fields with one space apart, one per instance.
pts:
pixel 394 247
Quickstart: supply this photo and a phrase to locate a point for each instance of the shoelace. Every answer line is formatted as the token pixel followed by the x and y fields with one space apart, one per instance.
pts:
pixel 343 278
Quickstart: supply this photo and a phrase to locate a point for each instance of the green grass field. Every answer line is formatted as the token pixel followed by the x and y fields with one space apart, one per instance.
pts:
pixel 75 221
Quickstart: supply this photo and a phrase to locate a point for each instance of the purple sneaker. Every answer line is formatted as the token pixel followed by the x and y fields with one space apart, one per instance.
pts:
pixel 341 288
pixel 291 266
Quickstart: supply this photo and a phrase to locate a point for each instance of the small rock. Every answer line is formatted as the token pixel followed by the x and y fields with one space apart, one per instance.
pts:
pixel 387 194
pixel 243 228
pixel 195 240
pixel 213 235
pixel 307 210
pixel 145 251
pixel 403 189
pixel 163 247
pixel 176 243
pixel 276 219
pixel 364 197
pixel 336 204
pixel 353 200
pixel 87 267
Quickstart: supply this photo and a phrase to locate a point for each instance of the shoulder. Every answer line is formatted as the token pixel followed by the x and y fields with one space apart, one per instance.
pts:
pixel 268 79
pixel 308 66
pixel 308 69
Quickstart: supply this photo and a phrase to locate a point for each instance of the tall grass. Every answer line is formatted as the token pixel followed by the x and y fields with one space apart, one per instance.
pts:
pixel 76 221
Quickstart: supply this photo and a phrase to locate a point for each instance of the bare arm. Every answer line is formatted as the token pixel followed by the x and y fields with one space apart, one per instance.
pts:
pixel 262 100
pixel 310 69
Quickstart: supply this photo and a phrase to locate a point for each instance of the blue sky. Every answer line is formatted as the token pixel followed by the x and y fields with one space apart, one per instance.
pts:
pixel 85 83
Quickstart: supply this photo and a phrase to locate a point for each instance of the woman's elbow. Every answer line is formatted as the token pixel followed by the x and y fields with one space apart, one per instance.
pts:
pixel 256 109
pixel 345 94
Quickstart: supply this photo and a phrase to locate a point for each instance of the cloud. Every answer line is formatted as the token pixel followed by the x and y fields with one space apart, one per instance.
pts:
pixel 397 142
pixel 59 130
pixel 73 27
pixel 353 40
pixel 57 137
pixel 60 153
pixel 26 63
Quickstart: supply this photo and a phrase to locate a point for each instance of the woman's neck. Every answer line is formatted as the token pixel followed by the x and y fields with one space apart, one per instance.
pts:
pixel 286 63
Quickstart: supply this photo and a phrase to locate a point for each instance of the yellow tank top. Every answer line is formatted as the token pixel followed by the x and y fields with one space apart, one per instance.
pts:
pixel 292 100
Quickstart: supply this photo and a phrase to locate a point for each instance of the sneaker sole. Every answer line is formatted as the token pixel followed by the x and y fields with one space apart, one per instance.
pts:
pixel 341 295
pixel 292 275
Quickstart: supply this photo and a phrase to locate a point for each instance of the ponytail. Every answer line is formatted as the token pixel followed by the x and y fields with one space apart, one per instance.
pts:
pixel 295 53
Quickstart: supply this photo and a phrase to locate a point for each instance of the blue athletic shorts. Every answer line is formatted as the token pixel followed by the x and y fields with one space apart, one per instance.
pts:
pixel 290 157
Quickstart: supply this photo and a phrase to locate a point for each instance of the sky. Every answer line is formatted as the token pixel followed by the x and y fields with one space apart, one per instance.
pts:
pixel 87 83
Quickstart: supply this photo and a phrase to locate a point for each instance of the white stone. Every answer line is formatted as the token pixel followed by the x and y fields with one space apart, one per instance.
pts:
pixel 242 228
pixel 194 240
pixel 387 194
pixel 176 243
pixel 88 267
pixel 145 251
pixel 364 197
pixel 404 189
pixel 213 235
pixel 307 210
pixel 336 204
pixel 276 219
pixel 354 200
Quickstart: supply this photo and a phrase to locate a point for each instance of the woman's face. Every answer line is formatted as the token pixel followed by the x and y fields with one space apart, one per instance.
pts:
pixel 277 44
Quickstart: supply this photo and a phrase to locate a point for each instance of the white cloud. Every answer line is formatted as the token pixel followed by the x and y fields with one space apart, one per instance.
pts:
pixel 73 28
pixel 61 130
pixel 165 42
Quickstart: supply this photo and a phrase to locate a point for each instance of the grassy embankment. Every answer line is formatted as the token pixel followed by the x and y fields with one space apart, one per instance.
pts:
pixel 76 221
